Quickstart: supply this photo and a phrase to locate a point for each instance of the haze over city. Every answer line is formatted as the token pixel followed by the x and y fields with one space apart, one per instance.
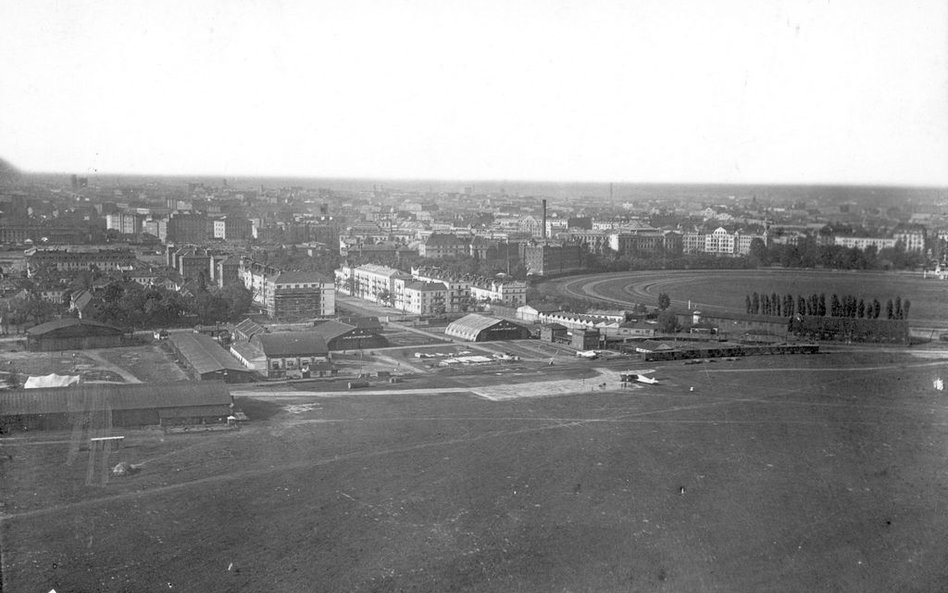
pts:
pixel 683 91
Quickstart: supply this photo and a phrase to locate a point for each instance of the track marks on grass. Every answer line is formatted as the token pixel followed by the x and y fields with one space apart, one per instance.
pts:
pixel 279 469
pixel 548 423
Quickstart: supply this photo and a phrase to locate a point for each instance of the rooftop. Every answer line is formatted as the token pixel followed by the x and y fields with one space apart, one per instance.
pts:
pixel 204 354
pixel 84 398
pixel 299 278
pixel 330 330
pixel 57 324
pixel 289 344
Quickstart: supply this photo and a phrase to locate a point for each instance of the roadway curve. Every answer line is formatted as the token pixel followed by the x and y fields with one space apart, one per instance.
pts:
pixel 692 287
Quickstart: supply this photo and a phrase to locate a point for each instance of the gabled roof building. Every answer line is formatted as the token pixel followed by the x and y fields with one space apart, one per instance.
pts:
pixel 208 360
pixel 284 354
pixel 103 406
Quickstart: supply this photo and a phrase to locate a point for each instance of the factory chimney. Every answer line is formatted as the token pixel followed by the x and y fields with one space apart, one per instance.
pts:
pixel 543 229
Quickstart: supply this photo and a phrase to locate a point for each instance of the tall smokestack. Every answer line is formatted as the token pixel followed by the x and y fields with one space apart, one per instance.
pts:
pixel 543 230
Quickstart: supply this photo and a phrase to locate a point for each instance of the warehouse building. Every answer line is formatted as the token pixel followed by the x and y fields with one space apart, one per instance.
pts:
pixel 480 328
pixel 103 406
pixel 73 334
pixel 205 357
pixel 284 354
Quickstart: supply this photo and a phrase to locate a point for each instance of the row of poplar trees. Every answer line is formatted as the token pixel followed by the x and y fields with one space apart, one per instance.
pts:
pixel 815 305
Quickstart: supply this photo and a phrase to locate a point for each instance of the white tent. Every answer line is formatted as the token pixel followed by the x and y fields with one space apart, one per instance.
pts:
pixel 52 380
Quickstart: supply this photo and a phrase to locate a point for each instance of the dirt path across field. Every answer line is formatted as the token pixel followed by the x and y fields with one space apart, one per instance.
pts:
pixel 101 361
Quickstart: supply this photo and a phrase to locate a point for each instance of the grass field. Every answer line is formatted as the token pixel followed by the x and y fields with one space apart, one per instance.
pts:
pixel 820 473
pixel 727 288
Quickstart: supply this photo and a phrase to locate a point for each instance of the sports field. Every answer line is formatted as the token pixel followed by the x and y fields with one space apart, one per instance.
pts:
pixel 726 289
pixel 807 473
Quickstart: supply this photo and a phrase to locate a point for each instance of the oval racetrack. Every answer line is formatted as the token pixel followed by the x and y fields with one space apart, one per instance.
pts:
pixel 725 290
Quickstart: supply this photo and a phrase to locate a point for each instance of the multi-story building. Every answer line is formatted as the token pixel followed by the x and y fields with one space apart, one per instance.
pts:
pixel 232 228
pixel 219 227
pixel 644 241
pixel 424 298
pixel 591 241
pixel 227 271
pixel 862 243
pixel 294 295
pixel 719 242
pixel 68 260
pixel 196 264
pixel 124 222
pixel 370 282
pixel 673 241
pixel 440 245
pixel 546 258
pixel 531 226
pixel 157 227
pixel 254 274
pixel 743 241
pixel 458 287
pixel 464 291
pixel 285 295
pixel 187 228
pixel 511 293
pixel 913 240
pixel 693 242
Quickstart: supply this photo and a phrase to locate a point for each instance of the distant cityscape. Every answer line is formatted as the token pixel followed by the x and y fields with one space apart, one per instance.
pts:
pixel 422 251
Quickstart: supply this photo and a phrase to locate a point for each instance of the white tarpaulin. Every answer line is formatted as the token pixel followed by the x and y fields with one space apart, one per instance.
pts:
pixel 53 380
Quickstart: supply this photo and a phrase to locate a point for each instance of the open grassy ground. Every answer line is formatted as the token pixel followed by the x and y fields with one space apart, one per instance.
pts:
pixel 725 289
pixel 147 363
pixel 820 473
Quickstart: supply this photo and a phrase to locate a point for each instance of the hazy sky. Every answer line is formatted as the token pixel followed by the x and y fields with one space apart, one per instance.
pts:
pixel 670 90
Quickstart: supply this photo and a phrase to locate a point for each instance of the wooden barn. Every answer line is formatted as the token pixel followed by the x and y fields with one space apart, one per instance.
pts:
pixel 73 334
pixel 101 406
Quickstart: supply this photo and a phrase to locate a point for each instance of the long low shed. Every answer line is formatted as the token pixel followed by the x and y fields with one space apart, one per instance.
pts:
pixel 103 406
pixel 208 359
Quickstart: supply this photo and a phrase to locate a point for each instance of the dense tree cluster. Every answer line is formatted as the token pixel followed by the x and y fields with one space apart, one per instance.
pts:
pixel 128 304
pixel 809 254
pixel 815 306
pixel 131 305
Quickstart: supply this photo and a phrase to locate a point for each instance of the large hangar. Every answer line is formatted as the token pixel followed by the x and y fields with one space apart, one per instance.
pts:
pixel 480 328
pixel 351 336
pixel 134 405
pixel 73 334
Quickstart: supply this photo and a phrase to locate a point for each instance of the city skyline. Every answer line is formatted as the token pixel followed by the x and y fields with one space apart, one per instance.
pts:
pixel 737 93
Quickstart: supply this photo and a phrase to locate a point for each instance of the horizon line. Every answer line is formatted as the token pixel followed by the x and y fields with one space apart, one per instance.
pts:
pixel 472 180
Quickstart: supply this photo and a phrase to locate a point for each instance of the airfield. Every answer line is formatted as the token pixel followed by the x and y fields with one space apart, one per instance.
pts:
pixel 787 473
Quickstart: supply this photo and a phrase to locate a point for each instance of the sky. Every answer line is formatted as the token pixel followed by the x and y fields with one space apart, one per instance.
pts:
pixel 756 91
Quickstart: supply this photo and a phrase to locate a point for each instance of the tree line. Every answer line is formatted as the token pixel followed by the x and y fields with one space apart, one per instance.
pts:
pixel 815 305
pixel 129 304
